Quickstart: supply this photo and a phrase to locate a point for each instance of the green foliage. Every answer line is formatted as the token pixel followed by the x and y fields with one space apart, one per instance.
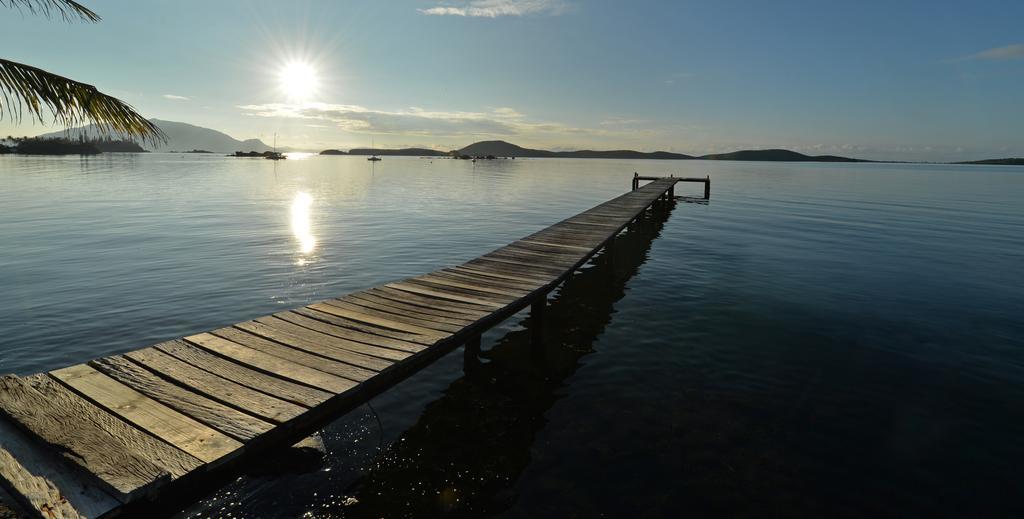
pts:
pixel 70 103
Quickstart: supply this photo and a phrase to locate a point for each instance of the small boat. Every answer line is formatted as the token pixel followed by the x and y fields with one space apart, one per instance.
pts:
pixel 274 155
pixel 373 157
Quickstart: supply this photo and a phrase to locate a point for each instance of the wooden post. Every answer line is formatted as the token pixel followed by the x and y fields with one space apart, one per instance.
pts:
pixel 636 181
pixel 537 322
pixel 707 188
pixel 471 354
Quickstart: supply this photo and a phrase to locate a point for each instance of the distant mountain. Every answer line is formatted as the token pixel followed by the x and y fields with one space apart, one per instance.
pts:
pixel 507 149
pixel 999 162
pixel 777 156
pixel 407 152
pixel 333 152
pixel 183 136
pixel 501 149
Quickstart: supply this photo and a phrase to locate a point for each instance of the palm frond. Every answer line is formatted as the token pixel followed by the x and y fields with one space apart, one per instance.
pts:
pixel 68 10
pixel 70 103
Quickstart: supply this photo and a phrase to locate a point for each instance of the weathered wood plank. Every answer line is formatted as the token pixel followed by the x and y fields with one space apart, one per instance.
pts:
pixel 427 314
pixel 42 483
pixel 442 294
pixel 268 384
pixel 147 414
pixel 101 444
pixel 471 310
pixel 339 318
pixel 516 266
pixel 270 364
pixel 503 273
pixel 316 343
pixel 338 336
pixel 295 355
pixel 366 334
pixel 228 420
pixel 216 387
pixel 450 288
pixel 487 289
pixel 390 319
pixel 373 348
pixel 484 280
pixel 583 250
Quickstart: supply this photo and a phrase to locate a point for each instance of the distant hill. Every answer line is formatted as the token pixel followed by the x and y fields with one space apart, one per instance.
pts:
pixel 401 152
pixel 507 149
pixel 333 152
pixel 182 136
pixel 999 162
pixel 777 156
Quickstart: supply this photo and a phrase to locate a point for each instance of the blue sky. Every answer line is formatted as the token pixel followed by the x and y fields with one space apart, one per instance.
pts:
pixel 928 80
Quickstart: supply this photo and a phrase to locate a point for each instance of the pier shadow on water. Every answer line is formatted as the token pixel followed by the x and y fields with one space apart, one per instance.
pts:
pixel 465 452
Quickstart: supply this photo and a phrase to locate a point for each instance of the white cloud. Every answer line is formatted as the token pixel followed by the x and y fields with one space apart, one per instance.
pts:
pixel 1001 53
pixel 500 122
pixel 496 8
pixel 173 97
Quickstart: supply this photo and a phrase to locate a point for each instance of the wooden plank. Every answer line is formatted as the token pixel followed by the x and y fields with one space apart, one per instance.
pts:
pixel 383 319
pixel 547 249
pixel 559 245
pixel 446 292
pixel 517 266
pixel 86 436
pixel 79 414
pixel 368 346
pixel 557 265
pixel 472 311
pixel 316 343
pixel 379 357
pixel 434 284
pixel 295 393
pixel 334 315
pixel 486 288
pixel 485 280
pixel 42 483
pixel 354 331
pixel 228 420
pixel 426 314
pixel 418 290
pixel 503 273
pixel 390 313
pixel 270 364
pixel 562 260
pixel 298 356
pixel 218 388
pixel 147 414
pixel 395 317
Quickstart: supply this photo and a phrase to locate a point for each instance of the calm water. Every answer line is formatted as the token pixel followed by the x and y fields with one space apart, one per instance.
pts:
pixel 826 340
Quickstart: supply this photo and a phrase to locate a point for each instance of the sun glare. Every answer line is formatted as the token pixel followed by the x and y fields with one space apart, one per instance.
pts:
pixel 298 80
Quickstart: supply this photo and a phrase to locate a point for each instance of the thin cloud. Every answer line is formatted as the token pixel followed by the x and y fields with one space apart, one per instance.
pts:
pixel 501 122
pixel 496 8
pixel 1001 53
pixel 173 97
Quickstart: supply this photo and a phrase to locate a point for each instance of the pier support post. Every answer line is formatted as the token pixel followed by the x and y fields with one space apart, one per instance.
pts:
pixel 636 181
pixel 707 188
pixel 471 354
pixel 537 322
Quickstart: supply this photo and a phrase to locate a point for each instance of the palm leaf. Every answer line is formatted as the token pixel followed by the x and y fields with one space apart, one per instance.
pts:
pixel 69 103
pixel 68 10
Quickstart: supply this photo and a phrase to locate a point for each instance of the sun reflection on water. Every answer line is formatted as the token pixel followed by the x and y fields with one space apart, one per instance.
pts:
pixel 301 223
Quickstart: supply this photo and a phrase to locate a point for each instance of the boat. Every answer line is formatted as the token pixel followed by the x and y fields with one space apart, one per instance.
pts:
pixel 274 155
pixel 373 157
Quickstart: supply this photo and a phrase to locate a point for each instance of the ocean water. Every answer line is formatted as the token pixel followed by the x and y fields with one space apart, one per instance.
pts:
pixel 818 340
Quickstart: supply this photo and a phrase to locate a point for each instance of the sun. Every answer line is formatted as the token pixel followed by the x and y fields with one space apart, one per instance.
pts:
pixel 298 80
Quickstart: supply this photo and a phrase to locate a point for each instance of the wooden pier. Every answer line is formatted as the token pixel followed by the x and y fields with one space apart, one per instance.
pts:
pixel 145 431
